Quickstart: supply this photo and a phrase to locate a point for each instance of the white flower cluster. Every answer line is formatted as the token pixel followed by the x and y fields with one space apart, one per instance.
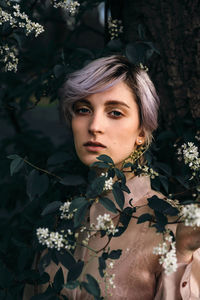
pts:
pixel 69 5
pixel 9 58
pixel 6 17
pixel 105 223
pixel 145 68
pixel 191 215
pixel 190 155
pixel 65 211
pixel 114 28
pixel 21 20
pixel 168 258
pixel 109 281
pixel 27 23
pixel 55 240
pixel 108 184
pixel 148 171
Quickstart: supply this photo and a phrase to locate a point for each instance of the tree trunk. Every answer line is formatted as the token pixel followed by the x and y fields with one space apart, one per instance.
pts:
pixel 174 27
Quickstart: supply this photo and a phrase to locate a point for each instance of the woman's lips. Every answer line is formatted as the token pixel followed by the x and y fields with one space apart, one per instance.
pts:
pixel 94 146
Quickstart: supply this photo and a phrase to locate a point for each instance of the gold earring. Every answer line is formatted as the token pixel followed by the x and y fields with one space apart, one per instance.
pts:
pixel 135 155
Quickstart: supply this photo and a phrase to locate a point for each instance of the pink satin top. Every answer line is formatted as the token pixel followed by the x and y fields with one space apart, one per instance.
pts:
pixel 138 274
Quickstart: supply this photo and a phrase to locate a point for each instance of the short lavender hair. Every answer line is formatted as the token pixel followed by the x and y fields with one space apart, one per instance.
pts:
pixel 103 73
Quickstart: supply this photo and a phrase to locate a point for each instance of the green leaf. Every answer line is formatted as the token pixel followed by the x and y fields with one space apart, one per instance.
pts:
pixel 58 280
pixel 162 206
pixel 118 194
pixel 77 203
pixel 108 204
pixel 106 159
pixel 66 259
pixel 51 208
pixel 144 218
pixel 96 187
pixel 102 265
pixel 92 287
pixel 72 285
pixel 99 164
pixel 164 182
pixel 16 164
pixel 79 215
pixel 71 180
pixel 37 184
pixel 75 271
pixel 161 221
pixel 115 254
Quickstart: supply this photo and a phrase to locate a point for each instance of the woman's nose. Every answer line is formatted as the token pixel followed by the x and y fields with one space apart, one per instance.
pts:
pixel 96 124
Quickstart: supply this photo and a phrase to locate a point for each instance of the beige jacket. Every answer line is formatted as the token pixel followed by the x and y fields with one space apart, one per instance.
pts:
pixel 138 274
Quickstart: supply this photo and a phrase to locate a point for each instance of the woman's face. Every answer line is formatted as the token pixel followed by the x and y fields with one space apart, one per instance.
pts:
pixel 107 123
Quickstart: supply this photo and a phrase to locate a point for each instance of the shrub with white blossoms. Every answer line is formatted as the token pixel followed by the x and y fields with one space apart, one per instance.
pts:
pixel 16 20
pixel 21 20
pixel 114 27
pixel 69 5
pixel 168 257
pixel 190 155
pixel 65 211
pixel 105 223
pixel 54 240
pixel 50 239
pixel 9 58
pixel 108 184
pixel 191 215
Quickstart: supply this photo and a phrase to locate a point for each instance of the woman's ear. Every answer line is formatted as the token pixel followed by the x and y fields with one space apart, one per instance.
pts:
pixel 140 138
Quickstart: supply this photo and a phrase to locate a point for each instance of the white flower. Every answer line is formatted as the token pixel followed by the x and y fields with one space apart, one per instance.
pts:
pixel 65 211
pixel 168 258
pixel 169 261
pixel 108 184
pixel 9 58
pixel 191 215
pixel 190 155
pixel 114 27
pixel 111 264
pixel 69 5
pixel 54 239
pixel 105 223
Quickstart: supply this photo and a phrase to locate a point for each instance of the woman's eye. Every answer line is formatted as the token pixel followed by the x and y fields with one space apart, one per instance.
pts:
pixel 82 110
pixel 115 113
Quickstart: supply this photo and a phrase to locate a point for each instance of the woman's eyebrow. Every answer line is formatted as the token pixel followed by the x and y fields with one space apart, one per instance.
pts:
pixel 83 101
pixel 116 102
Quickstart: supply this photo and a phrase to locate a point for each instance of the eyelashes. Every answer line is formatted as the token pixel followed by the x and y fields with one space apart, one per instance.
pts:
pixel 114 113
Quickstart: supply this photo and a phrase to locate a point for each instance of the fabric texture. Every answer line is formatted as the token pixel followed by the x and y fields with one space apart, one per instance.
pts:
pixel 138 274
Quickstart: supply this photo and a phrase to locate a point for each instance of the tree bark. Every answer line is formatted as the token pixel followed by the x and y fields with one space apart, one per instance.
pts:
pixel 174 27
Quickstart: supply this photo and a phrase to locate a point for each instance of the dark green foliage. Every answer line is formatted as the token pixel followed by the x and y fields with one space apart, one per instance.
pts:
pixel 144 218
pixel 118 194
pixel 92 286
pixel 31 195
pixel 108 204
pixel 75 271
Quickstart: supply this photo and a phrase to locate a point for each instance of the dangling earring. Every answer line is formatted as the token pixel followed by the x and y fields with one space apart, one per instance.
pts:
pixel 136 154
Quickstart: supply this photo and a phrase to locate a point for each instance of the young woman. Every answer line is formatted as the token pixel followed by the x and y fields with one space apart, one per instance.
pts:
pixel 112 107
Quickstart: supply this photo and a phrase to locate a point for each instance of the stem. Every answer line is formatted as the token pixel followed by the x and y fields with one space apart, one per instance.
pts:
pixel 42 170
